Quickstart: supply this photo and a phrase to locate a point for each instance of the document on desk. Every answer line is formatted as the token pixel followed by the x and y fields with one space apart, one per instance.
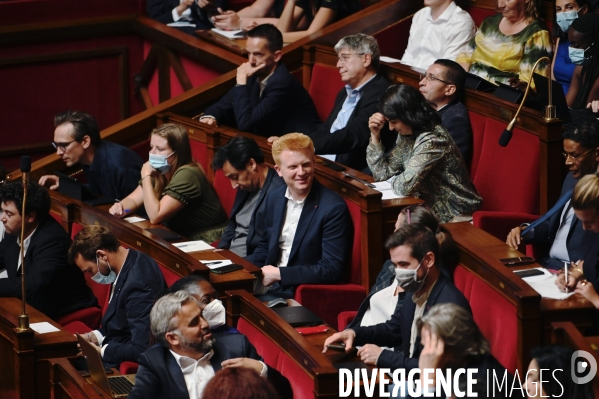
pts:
pixel 134 219
pixel 385 188
pixel 43 327
pixel 193 246
pixel 229 34
pixel 181 24
pixel 215 264
pixel 545 285
pixel 390 60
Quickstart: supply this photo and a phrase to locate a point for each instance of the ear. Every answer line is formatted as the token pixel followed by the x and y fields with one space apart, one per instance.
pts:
pixel 429 260
pixel 251 164
pixel 583 10
pixel 30 217
pixel 450 90
pixel 278 55
pixel 597 154
pixel 102 254
pixel 278 169
pixel 86 142
pixel 172 338
pixel 367 60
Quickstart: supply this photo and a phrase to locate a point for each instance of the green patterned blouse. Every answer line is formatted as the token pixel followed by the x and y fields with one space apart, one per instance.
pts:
pixel 430 167
pixel 497 57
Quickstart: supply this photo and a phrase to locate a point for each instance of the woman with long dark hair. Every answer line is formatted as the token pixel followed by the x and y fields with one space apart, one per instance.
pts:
pixel 425 161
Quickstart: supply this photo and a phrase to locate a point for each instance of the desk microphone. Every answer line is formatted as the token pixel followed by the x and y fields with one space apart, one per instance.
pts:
pixel 25 169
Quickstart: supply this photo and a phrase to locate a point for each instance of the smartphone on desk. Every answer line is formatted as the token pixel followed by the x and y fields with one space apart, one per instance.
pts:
pixel 226 269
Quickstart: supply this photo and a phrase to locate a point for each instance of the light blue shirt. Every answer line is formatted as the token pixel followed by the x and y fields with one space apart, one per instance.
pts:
pixel 353 96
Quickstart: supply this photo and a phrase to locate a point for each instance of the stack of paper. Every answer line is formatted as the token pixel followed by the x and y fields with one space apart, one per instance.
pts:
pixel 545 285
pixel 229 34
pixel 193 246
pixel 385 188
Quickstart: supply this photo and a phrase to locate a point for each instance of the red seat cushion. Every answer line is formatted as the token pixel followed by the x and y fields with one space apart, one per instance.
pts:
pixel 76 327
pixel 224 189
pixel 169 276
pixel 89 316
pixel 199 153
pixel 344 319
pixel 325 83
pixel 477 122
pixel 128 368
pixel 266 348
pixel 301 382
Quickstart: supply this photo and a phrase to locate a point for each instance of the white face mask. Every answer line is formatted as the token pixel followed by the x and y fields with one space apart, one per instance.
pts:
pixel 159 162
pixel 408 278
pixel 214 313
pixel 565 19
pixel 102 279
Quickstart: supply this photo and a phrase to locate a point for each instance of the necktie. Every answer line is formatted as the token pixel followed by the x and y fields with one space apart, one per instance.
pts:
pixel 558 205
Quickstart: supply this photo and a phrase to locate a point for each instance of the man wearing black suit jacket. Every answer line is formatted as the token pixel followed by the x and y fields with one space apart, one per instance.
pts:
pixel 563 232
pixel 187 356
pixel 308 227
pixel 53 286
pixel 242 162
pixel 135 280
pixel 266 100
pixel 344 136
pixel 414 251
pixel 442 86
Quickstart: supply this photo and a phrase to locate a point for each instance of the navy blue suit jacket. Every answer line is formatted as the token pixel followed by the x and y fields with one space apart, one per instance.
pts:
pixel 284 107
pixel 321 247
pixel 162 11
pixel 454 118
pixel 159 376
pixel 397 331
pixel 126 323
pixel 578 241
pixel 114 172
pixel 350 142
pixel 257 227
pixel 53 286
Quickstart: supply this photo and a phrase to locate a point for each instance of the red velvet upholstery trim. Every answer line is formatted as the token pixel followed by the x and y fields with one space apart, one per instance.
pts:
pixel 89 316
pixel 128 368
pixel 301 383
pixel 355 273
pixel 266 348
pixel 169 276
pixel 226 192
pixel 477 122
pixel 394 40
pixel 508 177
pixel 199 153
pixel 344 319
pixel 499 224
pixel 56 217
pixel 325 83
pixel 327 301
pixel 462 278
pixel 76 327
pixel 76 228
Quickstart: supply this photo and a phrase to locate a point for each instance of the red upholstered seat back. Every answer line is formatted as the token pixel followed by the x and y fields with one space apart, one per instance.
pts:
pixel 394 40
pixel 56 217
pixel 224 189
pixel 301 383
pixel 508 177
pixel 325 83
pixel 477 122
pixel 199 153
pixel 493 313
pixel 355 276
pixel 169 276
pixel 479 14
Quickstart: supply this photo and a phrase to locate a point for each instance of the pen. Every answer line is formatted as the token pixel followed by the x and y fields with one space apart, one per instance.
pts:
pixel 566 275
pixel 214 262
pixel 359 180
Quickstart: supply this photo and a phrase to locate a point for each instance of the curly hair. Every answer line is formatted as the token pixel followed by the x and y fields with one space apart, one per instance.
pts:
pixel 38 199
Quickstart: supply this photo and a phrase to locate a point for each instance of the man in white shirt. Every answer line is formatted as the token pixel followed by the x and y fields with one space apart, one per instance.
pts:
pixel 440 30
pixel 308 231
pixel 187 356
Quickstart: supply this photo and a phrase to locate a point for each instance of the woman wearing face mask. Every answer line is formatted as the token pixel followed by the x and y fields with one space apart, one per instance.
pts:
pixel 566 11
pixel 174 189
pixel 584 52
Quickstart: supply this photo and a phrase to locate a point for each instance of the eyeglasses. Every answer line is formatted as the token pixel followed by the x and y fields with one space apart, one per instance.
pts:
pixel 62 146
pixel 575 158
pixel 431 78
pixel 343 58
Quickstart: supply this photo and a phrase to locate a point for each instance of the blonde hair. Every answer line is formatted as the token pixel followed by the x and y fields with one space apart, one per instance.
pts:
pixel 177 138
pixel 531 12
pixel 586 193
pixel 291 142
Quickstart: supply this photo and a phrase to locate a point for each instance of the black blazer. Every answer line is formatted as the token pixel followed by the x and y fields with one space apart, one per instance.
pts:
pixel 257 227
pixel 126 323
pixel 454 118
pixel 397 331
pixel 350 142
pixel 162 11
pixel 54 287
pixel 322 244
pixel 284 107
pixel 159 376
pixel 578 241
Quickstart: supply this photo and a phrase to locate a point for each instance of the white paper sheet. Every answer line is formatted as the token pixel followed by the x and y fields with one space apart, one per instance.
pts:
pixel 229 34
pixel 134 219
pixel 43 327
pixel 545 285
pixel 385 188
pixel 181 24
pixel 216 263
pixel 193 246
pixel 389 59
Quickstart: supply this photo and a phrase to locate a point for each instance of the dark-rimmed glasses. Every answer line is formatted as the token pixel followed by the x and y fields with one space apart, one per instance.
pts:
pixel 431 78
pixel 62 146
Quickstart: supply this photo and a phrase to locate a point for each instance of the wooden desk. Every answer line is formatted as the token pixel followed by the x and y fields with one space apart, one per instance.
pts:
pixel 575 309
pixel 67 383
pixel 24 374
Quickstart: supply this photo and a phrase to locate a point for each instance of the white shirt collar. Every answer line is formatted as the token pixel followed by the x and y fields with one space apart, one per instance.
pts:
pixel 289 196
pixel 349 88
pixel 27 240
pixel 445 16
pixel 185 361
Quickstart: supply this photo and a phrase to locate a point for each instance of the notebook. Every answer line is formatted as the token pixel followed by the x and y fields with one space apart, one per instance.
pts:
pixel 119 386
pixel 298 316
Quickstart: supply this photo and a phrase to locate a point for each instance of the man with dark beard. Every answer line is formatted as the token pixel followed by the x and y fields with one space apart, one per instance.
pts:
pixel 187 356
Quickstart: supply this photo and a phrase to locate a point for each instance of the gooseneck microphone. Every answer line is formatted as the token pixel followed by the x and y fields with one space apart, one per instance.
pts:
pixel 25 169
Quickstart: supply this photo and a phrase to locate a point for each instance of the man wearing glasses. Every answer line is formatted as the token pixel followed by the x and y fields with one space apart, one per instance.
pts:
pixel 442 87
pixel 344 135
pixel 111 170
pixel 559 227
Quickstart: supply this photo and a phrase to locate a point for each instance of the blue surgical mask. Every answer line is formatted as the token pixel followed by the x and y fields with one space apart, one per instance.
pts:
pixel 159 162
pixel 565 19
pixel 102 279
pixel 577 55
